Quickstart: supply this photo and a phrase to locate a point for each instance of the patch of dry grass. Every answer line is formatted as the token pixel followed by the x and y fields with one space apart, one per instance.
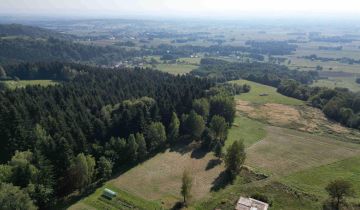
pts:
pixel 302 118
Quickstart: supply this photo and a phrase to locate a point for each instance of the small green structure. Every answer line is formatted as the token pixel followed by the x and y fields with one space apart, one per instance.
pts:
pixel 109 193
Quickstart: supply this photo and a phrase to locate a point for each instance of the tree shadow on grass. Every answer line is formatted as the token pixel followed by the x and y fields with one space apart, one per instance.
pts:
pixel 221 181
pixel 199 152
pixel 213 163
pixel 177 206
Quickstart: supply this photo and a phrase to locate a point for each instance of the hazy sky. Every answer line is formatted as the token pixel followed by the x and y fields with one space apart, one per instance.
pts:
pixel 221 8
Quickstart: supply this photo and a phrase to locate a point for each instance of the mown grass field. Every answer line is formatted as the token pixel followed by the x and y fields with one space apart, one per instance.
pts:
pixel 158 180
pixel 272 97
pixel 24 83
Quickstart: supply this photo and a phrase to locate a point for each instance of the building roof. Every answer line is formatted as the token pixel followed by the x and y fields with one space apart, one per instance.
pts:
pixel 250 204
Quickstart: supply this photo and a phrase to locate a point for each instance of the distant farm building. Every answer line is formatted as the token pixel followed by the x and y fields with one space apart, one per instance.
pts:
pixel 109 193
pixel 250 204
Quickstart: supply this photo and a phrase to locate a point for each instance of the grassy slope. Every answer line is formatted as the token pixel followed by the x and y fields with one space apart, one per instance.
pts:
pixel 280 196
pixel 24 83
pixel 123 200
pixel 314 180
pixel 285 151
pixel 273 97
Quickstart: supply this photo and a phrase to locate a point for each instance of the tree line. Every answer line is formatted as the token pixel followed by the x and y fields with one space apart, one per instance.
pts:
pixel 265 73
pixel 339 104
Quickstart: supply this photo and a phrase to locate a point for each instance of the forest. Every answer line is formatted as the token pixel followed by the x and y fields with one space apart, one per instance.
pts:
pixel 102 119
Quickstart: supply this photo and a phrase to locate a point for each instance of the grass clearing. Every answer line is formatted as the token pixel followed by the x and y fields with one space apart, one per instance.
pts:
pixel 176 68
pixel 192 61
pixel 248 130
pixel 314 180
pixel 23 83
pixel 284 151
pixel 273 97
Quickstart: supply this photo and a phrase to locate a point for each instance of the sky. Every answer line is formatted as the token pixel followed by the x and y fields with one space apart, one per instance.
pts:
pixel 181 8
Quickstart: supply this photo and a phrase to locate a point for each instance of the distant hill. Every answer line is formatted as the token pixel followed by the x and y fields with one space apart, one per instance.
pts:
pixel 33 50
pixel 30 31
pixel 20 43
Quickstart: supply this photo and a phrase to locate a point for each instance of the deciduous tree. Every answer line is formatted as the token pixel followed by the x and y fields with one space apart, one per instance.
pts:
pixel 174 126
pixel 338 190
pixel 186 186
pixel 219 127
pixel 235 158
pixel 202 107
pixel 104 168
pixel 194 125
pixel 155 135
pixel 12 197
